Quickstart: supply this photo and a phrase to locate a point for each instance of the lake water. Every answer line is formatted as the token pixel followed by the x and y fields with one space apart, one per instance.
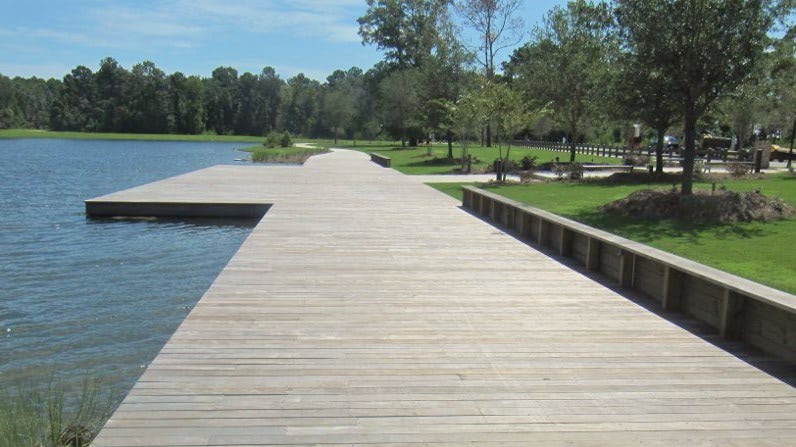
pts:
pixel 99 296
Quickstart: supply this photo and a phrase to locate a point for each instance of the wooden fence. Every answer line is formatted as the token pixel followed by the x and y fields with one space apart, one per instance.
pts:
pixel 736 307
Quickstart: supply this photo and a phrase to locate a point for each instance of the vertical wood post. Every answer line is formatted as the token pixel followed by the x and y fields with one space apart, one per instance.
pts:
pixel 564 241
pixel 592 254
pixel 730 307
pixel 540 233
pixel 627 263
pixel 672 286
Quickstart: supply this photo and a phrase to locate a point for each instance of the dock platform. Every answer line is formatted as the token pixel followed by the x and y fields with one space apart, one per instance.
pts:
pixel 366 308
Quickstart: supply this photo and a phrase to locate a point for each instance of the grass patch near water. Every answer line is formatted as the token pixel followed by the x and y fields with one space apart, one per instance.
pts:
pixel 286 155
pixel 50 416
pixel 760 251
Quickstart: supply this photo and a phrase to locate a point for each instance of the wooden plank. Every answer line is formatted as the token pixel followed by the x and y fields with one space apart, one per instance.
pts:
pixel 367 308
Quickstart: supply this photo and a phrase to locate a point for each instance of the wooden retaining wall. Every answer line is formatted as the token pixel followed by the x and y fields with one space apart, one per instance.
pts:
pixel 380 160
pixel 736 307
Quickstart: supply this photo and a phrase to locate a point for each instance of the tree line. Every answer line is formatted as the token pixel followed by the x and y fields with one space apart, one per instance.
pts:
pixel 145 99
pixel 584 73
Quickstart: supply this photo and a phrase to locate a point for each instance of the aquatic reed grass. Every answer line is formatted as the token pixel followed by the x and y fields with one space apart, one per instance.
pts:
pixel 49 416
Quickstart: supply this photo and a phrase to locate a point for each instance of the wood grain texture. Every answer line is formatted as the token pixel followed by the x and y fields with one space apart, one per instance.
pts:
pixel 366 308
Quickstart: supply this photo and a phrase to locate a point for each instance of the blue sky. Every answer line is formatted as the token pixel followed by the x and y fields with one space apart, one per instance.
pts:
pixel 50 38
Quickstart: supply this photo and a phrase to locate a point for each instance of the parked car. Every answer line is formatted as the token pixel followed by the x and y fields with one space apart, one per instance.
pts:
pixel 671 142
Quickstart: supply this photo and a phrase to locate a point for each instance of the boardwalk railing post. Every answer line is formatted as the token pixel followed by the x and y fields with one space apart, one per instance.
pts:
pixel 672 284
pixel 627 261
pixel 731 306
pixel 593 255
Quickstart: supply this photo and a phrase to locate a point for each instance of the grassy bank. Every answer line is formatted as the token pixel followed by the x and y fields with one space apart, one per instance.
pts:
pixel 51 416
pixel 434 159
pixel 33 133
pixel 288 155
pixel 760 251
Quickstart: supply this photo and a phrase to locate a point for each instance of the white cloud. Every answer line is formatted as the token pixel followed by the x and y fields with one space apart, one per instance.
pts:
pixel 324 19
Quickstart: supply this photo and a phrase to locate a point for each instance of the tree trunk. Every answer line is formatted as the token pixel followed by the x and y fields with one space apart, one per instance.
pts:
pixel 488 134
pixel 690 150
pixel 335 136
pixel 506 163
pixel 792 137
pixel 572 146
pixel 450 145
pixel 659 151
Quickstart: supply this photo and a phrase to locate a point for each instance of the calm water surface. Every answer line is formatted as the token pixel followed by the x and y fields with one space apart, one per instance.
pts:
pixel 102 296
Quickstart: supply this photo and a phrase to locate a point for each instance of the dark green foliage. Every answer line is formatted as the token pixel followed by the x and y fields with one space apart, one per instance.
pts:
pixel 528 162
pixel 703 49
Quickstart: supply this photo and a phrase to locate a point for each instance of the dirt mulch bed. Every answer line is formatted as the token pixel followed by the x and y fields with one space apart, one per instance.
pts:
pixel 721 206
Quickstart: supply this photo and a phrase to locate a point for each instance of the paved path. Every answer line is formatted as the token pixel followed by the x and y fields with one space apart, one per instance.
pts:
pixel 366 308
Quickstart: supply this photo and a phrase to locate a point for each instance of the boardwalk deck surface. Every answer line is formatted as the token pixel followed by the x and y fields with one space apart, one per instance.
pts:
pixel 368 309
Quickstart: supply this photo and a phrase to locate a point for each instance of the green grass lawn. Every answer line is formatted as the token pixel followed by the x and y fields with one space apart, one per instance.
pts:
pixel 34 133
pixel 760 251
pixel 422 160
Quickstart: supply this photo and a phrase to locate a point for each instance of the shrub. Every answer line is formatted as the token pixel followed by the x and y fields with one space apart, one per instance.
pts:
pixel 285 140
pixel 575 171
pixel 276 139
pixel 47 417
pixel 510 165
pixel 528 163
pixel 559 170
pixel 738 169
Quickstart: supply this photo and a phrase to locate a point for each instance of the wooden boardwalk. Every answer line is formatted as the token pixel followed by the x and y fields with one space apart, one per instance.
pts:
pixel 368 309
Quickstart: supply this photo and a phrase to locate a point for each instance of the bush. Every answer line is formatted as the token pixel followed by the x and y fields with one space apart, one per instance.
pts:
pixel 511 165
pixel 285 140
pixel 48 417
pixel 575 171
pixel 528 163
pixel 636 160
pixel 275 139
pixel 738 169
pixel 559 170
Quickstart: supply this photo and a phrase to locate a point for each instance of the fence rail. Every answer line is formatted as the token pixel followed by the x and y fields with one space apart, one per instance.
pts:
pixel 614 151
pixel 738 308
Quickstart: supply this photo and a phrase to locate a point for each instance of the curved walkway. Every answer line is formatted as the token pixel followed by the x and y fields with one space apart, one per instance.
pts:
pixel 366 308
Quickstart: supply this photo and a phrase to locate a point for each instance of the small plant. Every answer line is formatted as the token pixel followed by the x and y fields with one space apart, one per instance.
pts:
pixel 559 170
pixel 285 140
pixel 528 163
pixel 738 169
pixel 276 139
pixel 46 417
pixel 575 171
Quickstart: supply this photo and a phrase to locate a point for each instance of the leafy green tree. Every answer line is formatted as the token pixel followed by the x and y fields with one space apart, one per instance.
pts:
pixel 705 48
pixel 114 96
pixel 507 110
pixel 301 106
pixel 648 95
pixel 221 97
pixel 193 116
pixel 468 116
pixel 498 27
pixel 783 79
pixel 566 64
pixel 400 103
pixel 338 109
pixel 443 79
pixel 151 111
pixel 74 108
pixel 8 104
pixel 406 30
